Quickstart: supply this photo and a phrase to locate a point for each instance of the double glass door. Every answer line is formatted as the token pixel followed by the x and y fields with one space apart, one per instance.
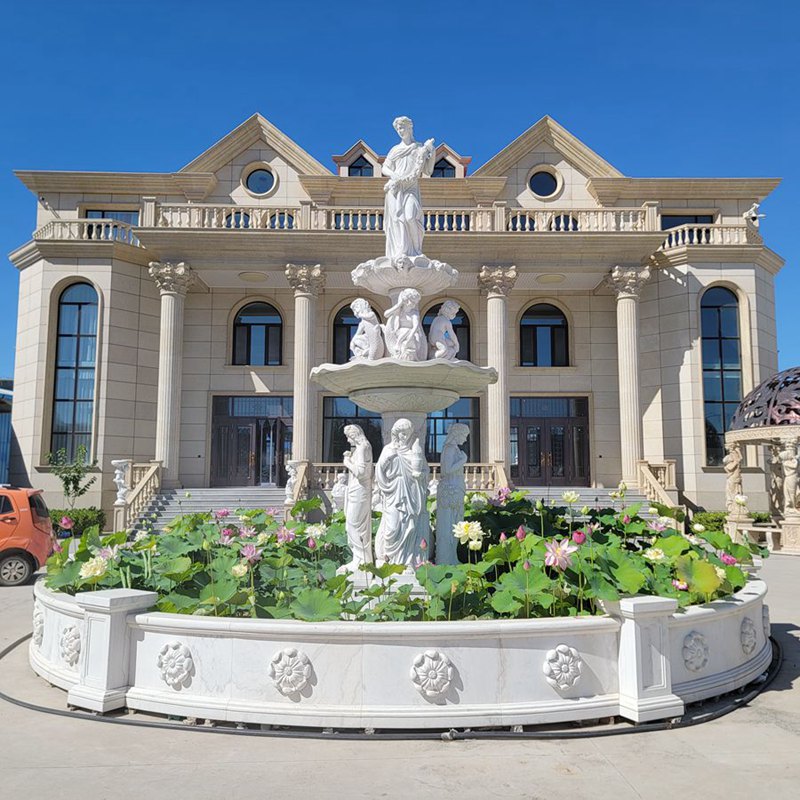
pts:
pixel 550 450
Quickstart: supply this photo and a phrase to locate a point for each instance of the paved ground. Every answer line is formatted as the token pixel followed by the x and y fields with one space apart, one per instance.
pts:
pixel 752 753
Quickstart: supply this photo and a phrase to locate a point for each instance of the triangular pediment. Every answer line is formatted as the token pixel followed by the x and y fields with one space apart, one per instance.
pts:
pixel 547 132
pixel 252 130
pixel 360 148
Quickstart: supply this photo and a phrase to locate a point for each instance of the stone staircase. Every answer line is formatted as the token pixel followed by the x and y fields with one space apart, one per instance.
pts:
pixel 171 503
pixel 589 496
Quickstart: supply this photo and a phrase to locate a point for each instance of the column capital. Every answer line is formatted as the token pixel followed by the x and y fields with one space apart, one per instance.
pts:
pixel 497 280
pixel 628 281
pixel 172 278
pixel 305 278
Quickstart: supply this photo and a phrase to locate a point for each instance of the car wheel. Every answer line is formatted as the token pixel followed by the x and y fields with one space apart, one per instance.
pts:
pixel 15 569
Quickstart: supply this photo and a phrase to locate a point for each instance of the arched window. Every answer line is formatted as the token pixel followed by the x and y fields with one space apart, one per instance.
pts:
pixel 344 327
pixel 257 334
pixel 360 168
pixel 460 328
pixel 543 337
pixel 443 169
pixel 722 367
pixel 76 357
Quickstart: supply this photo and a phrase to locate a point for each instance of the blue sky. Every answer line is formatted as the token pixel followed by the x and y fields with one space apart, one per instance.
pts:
pixel 658 89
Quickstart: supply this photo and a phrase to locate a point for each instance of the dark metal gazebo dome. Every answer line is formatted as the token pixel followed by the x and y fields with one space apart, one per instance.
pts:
pixel 776 401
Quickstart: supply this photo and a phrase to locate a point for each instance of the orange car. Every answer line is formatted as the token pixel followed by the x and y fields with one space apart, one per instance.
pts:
pixel 26 534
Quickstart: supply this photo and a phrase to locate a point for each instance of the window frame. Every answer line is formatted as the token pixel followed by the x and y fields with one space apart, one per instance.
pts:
pixel 521 327
pixel 234 324
pixel 367 164
pixel 449 166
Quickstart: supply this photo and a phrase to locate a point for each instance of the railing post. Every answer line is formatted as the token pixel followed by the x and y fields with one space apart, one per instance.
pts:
pixel 148 212
pixel 650 215
pixel 499 215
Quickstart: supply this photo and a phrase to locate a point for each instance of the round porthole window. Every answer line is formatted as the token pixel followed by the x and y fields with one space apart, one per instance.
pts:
pixel 260 181
pixel 543 184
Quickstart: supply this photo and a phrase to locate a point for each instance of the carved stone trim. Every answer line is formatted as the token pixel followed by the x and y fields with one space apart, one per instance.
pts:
pixel 305 278
pixel 38 624
pixel 70 645
pixel 562 667
pixel 497 280
pixel 432 674
pixel 765 621
pixel 290 670
pixel 747 636
pixel 172 278
pixel 176 665
pixel 695 651
pixel 628 281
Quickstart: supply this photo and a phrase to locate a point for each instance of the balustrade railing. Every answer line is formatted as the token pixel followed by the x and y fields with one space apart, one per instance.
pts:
pixel 98 230
pixel 477 476
pixel 144 481
pixel 711 235
pixel 209 216
pixel 592 220
pixel 657 481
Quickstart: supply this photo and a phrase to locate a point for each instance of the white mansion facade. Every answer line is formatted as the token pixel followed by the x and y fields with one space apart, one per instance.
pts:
pixel 171 317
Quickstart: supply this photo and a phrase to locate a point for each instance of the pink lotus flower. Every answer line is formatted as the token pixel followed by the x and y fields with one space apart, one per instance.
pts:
pixel 626 520
pixel 272 512
pixel 680 585
pixel 727 559
pixel 656 525
pixel 559 553
pixel 579 537
pixel 66 524
pixel 311 543
pixel 108 553
pixel 57 546
pixel 503 537
pixel 520 533
pixel 226 536
pixel 222 513
pixel 250 552
pixel 247 532
pixel 526 565
pixel 423 545
pixel 284 535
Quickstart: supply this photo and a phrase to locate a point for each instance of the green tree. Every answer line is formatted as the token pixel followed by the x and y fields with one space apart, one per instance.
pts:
pixel 73 473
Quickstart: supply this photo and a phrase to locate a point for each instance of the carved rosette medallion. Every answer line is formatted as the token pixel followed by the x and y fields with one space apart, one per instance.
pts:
pixel 562 667
pixel 176 665
pixel 747 636
pixel 695 651
pixel 172 278
pixel 38 624
pixel 70 645
pixel 497 280
pixel 290 670
pixel 305 278
pixel 432 674
pixel 765 621
pixel 628 281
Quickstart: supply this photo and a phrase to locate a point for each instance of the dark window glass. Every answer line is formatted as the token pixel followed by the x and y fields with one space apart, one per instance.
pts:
pixel 443 169
pixel 460 327
pixel 5 505
pixel 338 412
pixel 467 411
pixel 237 219
pixel 722 367
pixel 674 220
pixel 543 337
pixel 360 168
pixel 281 221
pixel 564 222
pixel 345 324
pixel 73 389
pixel 543 183
pixel 257 335
pixel 260 181
pixel 108 232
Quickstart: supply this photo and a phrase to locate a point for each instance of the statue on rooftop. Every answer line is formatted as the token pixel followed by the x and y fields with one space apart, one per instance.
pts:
pixel 403 220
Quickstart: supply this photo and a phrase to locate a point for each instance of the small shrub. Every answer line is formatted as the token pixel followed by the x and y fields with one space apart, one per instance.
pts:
pixel 83 518
pixel 710 520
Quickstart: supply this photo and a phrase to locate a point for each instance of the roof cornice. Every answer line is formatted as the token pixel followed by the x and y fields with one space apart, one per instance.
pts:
pixel 37 249
pixel 192 185
pixel 548 131
pixel 758 254
pixel 610 190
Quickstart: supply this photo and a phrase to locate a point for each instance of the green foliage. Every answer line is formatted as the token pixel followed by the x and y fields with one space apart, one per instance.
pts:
pixel 710 520
pixel 83 518
pixel 73 473
pixel 207 566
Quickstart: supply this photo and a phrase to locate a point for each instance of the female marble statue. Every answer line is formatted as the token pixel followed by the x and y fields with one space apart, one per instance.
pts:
pixel 358 497
pixel 405 338
pixel 401 476
pixel 450 493
pixel 733 483
pixel 405 164
pixel 442 338
pixel 789 460
pixel 367 342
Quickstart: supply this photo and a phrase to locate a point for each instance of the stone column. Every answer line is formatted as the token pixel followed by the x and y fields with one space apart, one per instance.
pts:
pixel 498 282
pixel 627 282
pixel 173 281
pixel 307 282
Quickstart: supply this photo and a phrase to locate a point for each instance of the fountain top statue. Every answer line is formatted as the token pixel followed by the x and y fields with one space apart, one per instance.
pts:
pixel 404 266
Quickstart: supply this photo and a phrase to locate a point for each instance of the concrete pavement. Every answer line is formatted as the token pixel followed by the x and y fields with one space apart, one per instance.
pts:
pixel 753 752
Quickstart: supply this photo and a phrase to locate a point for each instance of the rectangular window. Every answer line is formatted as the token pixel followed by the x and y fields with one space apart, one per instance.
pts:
pixel 674 220
pixel 466 411
pixel 110 232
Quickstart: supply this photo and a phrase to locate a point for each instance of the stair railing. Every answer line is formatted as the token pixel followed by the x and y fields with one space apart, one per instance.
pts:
pixel 137 485
pixel 657 482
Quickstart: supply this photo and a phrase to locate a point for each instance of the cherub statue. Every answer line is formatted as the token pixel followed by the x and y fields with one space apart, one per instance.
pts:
pixel 405 338
pixel 442 339
pixel 752 215
pixel 367 342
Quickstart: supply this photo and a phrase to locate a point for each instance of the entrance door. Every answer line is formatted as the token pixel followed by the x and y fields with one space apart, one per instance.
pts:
pixel 275 450
pixel 550 450
pixel 234 454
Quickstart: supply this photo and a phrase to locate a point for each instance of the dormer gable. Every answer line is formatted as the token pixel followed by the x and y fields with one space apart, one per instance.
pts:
pixel 355 156
pixel 446 154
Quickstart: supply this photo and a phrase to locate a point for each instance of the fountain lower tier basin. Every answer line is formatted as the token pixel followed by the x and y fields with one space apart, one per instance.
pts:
pixel 642 661
pixel 389 385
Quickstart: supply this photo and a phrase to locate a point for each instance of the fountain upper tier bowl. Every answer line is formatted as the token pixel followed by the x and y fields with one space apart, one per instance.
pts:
pixel 384 276
pixel 389 384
